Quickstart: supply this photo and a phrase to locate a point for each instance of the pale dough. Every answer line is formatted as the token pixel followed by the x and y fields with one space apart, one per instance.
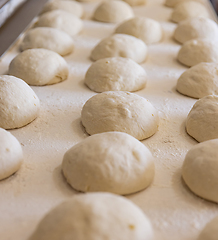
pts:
pixel 173 3
pixel 121 45
pixel 200 169
pixel 135 2
pixel 115 74
pixel 122 112
pixel 19 105
pixel 39 67
pixel 11 154
pixel 210 231
pixel 202 120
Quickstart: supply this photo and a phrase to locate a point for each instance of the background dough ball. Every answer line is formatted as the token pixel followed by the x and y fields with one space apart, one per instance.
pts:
pixel 122 112
pixel 194 28
pixel 199 81
pixel 187 10
pixel 121 45
pixel 135 2
pixel 48 38
pixel 61 20
pixel 19 105
pixel 173 3
pixel 95 216
pixel 146 29
pixel 200 169
pixel 109 162
pixel 202 121
pixel 39 67
pixel 115 74
pixel 113 11
pixel 210 231
pixel 197 51
pixel 11 154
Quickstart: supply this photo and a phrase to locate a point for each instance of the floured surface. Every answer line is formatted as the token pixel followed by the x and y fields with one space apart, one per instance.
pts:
pixel 175 213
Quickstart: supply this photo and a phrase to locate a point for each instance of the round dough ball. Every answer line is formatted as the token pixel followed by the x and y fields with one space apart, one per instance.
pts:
pixel 11 154
pixel 113 12
pixel 19 105
pixel 173 3
pixel 115 74
pixel 122 112
pixel 30 66
pixel 135 2
pixel 95 216
pixel 48 38
pixel 120 45
pixel 61 20
pixel 210 231
pixel 199 81
pixel 194 28
pixel 200 169
pixel 109 162
pixel 146 29
pixel 202 120
pixel 187 10
pixel 197 51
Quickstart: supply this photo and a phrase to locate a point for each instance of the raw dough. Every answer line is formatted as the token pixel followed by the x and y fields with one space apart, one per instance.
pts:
pixel 95 216
pixel 39 67
pixel 122 112
pixel 120 45
pixel 173 3
pixel 61 20
pixel 200 169
pixel 135 2
pixel 48 38
pixel 11 154
pixel 199 81
pixel 197 51
pixel 109 162
pixel 202 121
pixel 210 231
pixel 19 105
pixel 115 74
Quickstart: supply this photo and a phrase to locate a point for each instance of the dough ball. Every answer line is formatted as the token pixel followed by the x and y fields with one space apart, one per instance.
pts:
pixel 48 38
pixel 202 121
pixel 11 154
pixel 121 45
pixel 196 28
pixel 199 81
pixel 19 105
pixel 210 232
pixel 113 11
pixel 173 3
pixel 39 67
pixel 61 20
pixel 146 29
pixel 135 2
pixel 187 10
pixel 115 74
pixel 122 112
pixel 95 216
pixel 109 162
pixel 200 169
pixel 197 51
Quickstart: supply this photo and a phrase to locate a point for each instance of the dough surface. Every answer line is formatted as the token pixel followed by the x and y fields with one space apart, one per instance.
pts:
pixel 115 74
pixel 202 120
pixel 19 105
pixel 120 45
pixel 30 67
pixel 11 154
pixel 135 2
pixel 48 38
pixel 173 3
pixel 122 112
pixel 200 169
pixel 210 231
pixel 146 29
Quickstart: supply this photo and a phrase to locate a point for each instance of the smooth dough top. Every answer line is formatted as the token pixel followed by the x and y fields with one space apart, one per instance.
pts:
pixel 173 3
pixel 210 231
pixel 135 2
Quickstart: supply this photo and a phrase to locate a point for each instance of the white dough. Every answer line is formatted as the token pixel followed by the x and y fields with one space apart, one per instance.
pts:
pixel 95 216
pixel 200 169
pixel 120 45
pixel 135 2
pixel 197 51
pixel 115 74
pixel 11 154
pixel 202 120
pixel 199 81
pixel 173 3
pixel 19 105
pixel 39 67
pixel 146 29
pixel 210 231
pixel 122 112
pixel 48 38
